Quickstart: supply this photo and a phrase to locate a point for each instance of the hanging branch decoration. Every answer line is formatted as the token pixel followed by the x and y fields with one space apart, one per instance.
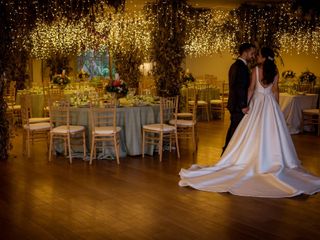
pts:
pixel 206 34
pixel 299 34
pixel 60 37
pixel 208 31
pixel 127 36
pixel 168 41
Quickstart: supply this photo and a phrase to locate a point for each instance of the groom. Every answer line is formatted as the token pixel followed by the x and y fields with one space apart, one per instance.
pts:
pixel 239 81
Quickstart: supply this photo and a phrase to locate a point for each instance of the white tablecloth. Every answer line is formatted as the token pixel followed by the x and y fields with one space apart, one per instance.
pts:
pixel 292 106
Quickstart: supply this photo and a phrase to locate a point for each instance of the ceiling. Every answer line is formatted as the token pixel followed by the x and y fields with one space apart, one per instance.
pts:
pixel 229 4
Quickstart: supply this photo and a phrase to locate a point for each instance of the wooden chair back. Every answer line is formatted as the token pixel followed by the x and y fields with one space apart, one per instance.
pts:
pixel 305 87
pixel 59 113
pixel 168 109
pixel 105 116
pixel 26 109
pixel 204 89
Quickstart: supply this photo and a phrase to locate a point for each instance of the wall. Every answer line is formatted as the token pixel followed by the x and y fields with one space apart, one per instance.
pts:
pixel 219 64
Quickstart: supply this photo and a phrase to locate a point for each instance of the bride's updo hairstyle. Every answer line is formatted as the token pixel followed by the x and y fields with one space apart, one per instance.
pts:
pixel 269 67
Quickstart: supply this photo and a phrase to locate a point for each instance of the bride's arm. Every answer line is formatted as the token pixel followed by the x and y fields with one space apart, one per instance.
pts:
pixel 275 87
pixel 252 86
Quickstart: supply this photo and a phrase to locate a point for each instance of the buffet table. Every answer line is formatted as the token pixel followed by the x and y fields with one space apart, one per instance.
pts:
pixel 292 106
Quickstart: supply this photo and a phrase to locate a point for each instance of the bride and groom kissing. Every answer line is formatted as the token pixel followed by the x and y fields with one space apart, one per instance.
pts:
pixel 258 158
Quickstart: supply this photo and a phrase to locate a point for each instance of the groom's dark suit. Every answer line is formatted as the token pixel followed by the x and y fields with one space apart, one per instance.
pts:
pixel 239 81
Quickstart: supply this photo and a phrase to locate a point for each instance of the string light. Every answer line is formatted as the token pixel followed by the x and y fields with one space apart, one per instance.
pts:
pixel 62 37
pixel 123 32
pixel 206 35
pixel 208 32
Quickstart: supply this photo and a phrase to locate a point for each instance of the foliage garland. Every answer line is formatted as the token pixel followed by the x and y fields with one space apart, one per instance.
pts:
pixel 168 39
pixel 127 65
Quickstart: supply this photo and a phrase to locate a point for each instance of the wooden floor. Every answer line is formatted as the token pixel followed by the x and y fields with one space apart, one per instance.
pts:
pixel 141 199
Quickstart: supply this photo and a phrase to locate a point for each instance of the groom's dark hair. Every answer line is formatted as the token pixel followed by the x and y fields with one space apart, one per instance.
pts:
pixel 244 47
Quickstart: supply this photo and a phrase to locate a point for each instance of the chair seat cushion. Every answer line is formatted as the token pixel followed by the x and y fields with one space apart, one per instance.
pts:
pixel 184 114
pixel 200 102
pixel 183 123
pixel 37 126
pixel 105 130
pixel 37 120
pixel 216 101
pixel 64 129
pixel 311 111
pixel 159 127
pixel 16 107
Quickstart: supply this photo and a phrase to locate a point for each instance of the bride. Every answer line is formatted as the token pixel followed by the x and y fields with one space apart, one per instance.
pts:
pixel 260 160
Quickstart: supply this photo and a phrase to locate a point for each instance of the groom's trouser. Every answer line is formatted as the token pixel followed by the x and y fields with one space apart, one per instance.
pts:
pixel 235 119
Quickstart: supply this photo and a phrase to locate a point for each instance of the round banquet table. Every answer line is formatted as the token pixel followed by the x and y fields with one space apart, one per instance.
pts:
pixel 292 106
pixel 130 119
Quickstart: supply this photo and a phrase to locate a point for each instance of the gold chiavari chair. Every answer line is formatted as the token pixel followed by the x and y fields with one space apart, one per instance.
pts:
pixel 154 134
pixel 187 128
pixel 32 130
pixel 11 120
pixel 104 129
pixel 51 95
pixel 311 117
pixel 305 87
pixel 219 105
pixel 13 109
pixel 190 93
pixel 203 102
pixel 210 79
pixel 61 127
pixel 32 119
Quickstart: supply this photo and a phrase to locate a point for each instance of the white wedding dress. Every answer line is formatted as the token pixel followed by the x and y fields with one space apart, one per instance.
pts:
pixel 260 160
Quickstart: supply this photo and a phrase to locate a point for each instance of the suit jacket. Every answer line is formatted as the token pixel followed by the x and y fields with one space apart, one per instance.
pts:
pixel 239 81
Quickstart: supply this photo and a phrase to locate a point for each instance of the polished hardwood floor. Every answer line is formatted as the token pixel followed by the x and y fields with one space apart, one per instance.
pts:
pixel 140 198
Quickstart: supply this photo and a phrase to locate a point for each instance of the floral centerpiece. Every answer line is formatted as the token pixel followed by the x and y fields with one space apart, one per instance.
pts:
pixel 187 78
pixel 307 77
pixel 289 74
pixel 83 74
pixel 61 80
pixel 117 87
